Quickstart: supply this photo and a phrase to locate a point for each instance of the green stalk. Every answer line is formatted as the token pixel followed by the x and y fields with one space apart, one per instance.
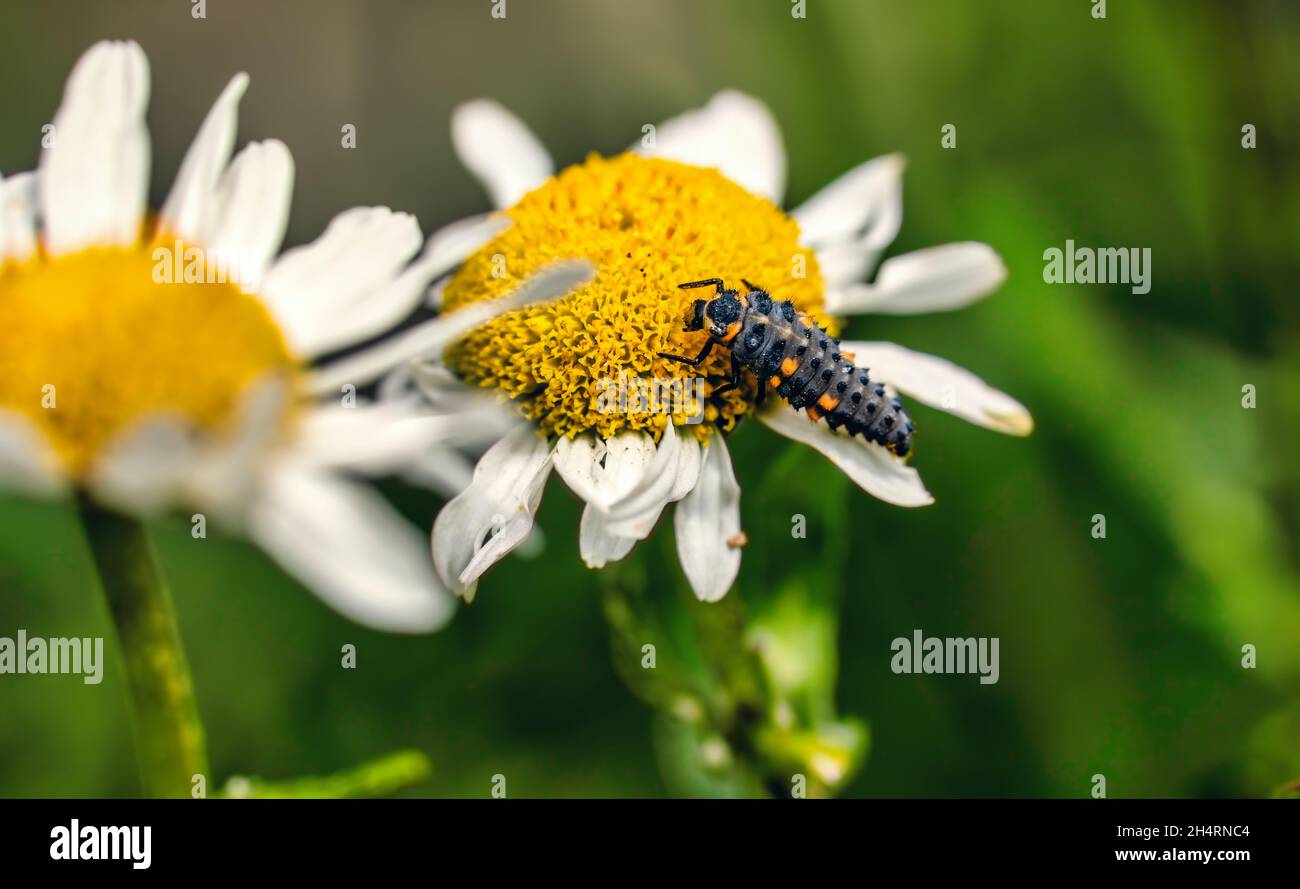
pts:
pixel 168 734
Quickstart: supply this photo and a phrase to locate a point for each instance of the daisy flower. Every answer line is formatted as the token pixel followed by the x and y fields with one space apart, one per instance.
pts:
pixel 151 361
pixel 699 198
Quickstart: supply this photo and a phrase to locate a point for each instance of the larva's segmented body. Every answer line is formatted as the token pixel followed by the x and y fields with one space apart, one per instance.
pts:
pixel 800 361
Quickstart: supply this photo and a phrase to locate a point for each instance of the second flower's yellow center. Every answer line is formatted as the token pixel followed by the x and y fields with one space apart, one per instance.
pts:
pixel 647 225
pixel 94 341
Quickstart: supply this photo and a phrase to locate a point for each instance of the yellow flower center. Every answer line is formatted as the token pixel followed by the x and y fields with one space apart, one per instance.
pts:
pixel 93 341
pixel 647 225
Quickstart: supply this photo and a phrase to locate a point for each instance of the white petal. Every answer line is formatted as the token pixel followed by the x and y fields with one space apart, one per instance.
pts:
pixel 649 477
pixel 864 205
pixel 495 513
pixel 382 438
pixel 690 461
pixel 436 385
pixel 479 417
pixel 163 460
pixel 433 299
pixel 332 271
pixel 576 460
pixel 940 383
pixel 446 471
pixel 842 264
pixel 144 469
pixel 931 280
pixel 628 458
pixel 94 177
pixel 196 183
pixel 399 384
pixel 245 222
pixel 27 464
pixel 383 308
pixel 343 541
pixel 429 339
pixel 17 217
pixel 706 524
pixel 673 474
pixel 598 545
pixel 734 133
pixel 226 478
pixel 500 150
pixel 870 466
pixel 368 437
pixel 317 291
pixel 449 245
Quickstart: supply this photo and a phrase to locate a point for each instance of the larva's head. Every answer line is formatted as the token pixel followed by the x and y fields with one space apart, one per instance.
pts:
pixel 722 313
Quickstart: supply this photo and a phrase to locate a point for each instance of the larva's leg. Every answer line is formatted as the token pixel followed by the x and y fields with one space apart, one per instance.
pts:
pixel 735 377
pixel 707 282
pixel 693 362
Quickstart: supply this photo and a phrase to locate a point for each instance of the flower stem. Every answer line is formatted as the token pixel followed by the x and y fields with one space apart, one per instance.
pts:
pixel 169 736
pixel 379 777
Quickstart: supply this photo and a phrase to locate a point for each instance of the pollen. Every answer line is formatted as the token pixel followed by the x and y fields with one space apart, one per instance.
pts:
pixel 647 225
pixel 94 341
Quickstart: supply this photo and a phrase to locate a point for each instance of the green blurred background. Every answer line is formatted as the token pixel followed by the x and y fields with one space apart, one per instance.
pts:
pixel 1119 656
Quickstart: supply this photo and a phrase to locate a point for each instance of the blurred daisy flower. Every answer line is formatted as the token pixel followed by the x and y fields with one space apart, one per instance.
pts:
pixel 149 362
pixel 698 198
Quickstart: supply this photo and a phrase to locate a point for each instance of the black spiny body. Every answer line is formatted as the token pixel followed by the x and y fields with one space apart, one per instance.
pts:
pixel 793 355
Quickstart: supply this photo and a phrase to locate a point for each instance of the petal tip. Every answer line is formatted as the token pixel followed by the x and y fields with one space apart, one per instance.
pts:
pixel 711 597
pixel 236 87
pixel 1020 423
